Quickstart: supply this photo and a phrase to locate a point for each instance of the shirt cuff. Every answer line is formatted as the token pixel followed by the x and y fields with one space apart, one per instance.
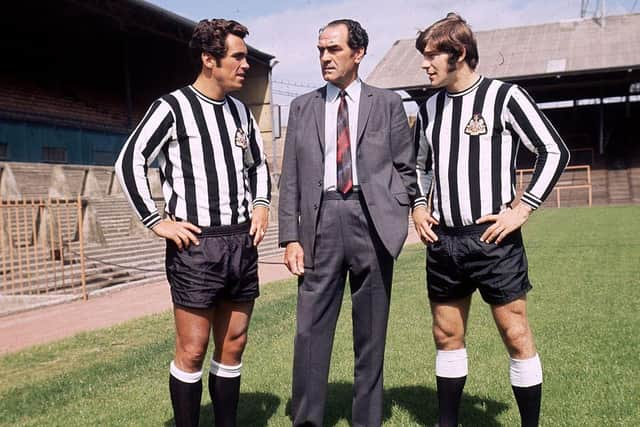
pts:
pixel 261 201
pixel 531 200
pixel 419 201
pixel 151 220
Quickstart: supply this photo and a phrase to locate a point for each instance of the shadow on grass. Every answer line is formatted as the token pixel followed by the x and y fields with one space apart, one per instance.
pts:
pixel 254 409
pixel 420 402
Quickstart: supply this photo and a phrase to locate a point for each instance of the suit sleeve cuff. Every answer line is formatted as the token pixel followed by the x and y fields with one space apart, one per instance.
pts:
pixel 284 243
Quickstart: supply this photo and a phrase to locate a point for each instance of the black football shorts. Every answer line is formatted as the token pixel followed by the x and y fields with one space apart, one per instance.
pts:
pixel 223 266
pixel 459 263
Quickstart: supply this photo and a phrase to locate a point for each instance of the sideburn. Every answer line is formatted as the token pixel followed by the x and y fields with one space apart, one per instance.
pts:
pixel 451 62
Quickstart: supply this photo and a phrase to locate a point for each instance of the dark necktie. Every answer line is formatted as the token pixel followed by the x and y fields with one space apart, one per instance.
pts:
pixel 344 181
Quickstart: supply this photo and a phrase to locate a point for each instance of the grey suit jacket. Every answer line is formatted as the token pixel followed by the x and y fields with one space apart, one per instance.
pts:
pixel 386 168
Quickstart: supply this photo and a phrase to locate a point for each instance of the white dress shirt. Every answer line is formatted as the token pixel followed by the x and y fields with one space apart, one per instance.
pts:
pixel 331 133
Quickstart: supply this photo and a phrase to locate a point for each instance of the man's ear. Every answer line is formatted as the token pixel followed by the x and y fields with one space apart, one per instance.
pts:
pixel 208 61
pixel 358 55
pixel 463 55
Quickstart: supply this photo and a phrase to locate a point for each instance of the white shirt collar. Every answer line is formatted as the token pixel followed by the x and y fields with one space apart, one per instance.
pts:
pixel 353 90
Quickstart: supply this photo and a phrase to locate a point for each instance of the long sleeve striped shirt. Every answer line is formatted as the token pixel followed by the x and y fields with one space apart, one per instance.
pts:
pixel 211 159
pixel 467 144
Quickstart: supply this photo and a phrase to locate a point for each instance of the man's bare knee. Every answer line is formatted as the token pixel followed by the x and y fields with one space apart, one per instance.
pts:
pixel 449 320
pixel 448 338
pixel 230 332
pixel 511 320
pixel 230 353
pixel 235 345
pixel 189 356
pixel 519 341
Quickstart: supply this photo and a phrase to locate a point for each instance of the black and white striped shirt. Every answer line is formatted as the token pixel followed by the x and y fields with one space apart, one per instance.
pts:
pixel 467 144
pixel 211 159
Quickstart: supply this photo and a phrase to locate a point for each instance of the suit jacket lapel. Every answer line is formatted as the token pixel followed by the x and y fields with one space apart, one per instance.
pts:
pixel 319 112
pixel 366 100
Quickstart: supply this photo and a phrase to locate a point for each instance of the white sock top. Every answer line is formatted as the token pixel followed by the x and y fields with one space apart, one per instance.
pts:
pixel 185 377
pixel 525 373
pixel 452 363
pixel 225 371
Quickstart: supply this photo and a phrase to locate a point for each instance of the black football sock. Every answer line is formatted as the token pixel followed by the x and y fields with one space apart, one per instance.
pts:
pixel 224 388
pixel 449 395
pixel 526 382
pixel 186 391
pixel 528 399
pixel 451 375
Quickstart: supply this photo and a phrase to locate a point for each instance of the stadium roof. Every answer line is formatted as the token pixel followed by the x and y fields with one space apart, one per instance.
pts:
pixel 147 17
pixel 535 52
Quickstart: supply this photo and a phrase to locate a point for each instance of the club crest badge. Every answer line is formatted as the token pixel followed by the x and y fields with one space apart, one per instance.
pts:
pixel 476 126
pixel 241 139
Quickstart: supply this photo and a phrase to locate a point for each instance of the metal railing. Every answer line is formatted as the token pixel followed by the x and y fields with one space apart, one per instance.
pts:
pixel 560 186
pixel 42 247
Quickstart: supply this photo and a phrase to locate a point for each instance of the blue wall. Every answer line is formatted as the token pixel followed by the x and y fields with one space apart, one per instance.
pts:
pixel 25 141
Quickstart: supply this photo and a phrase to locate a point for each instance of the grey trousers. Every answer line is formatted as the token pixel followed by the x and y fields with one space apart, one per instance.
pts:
pixel 346 243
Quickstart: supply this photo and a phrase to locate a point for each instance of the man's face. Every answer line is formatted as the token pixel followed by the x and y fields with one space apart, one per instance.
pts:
pixel 338 62
pixel 230 71
pixel 436 65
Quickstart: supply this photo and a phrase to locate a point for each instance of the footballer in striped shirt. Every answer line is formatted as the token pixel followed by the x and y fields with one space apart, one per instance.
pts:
pixel 467 135
pixel 217 190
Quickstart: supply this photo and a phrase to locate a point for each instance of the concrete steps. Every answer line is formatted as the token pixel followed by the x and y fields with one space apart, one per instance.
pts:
pixel 599 186
pixel 128 255
pixel 124 260
pixel 131 256
pixel 634 179
pixel 619 187
pixel 609 187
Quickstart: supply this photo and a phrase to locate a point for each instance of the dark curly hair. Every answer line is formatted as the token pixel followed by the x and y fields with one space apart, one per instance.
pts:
pixel 358 37
pixel 210 36
pixel 451 35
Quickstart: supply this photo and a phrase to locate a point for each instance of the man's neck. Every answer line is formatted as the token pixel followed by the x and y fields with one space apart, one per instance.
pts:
pixel 463 79
pixel 209 88
pixel 343 86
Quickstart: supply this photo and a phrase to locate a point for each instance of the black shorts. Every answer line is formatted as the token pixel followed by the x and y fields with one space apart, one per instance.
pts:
pixel 459 263
pixel 223 266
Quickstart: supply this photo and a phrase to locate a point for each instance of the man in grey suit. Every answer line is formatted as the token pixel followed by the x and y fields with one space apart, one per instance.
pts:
pixel 348 179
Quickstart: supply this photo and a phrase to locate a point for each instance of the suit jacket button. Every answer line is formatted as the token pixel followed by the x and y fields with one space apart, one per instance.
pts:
pixel 319 183
pixel 315 207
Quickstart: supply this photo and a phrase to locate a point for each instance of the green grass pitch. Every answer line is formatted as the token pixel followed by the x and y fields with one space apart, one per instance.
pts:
pixel 584 310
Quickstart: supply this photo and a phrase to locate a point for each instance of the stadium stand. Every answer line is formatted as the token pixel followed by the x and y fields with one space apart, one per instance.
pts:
pixel 76 77
pixel 117 249
pixel 26 100
pixel 589 90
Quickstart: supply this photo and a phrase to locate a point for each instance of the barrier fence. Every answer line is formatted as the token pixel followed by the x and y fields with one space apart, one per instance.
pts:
pixel 42 247
pixel 42 244
pixel 584 183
